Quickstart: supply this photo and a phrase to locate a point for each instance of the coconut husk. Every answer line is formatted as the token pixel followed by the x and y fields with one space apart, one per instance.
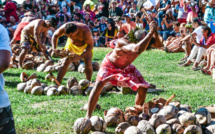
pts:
pixel 82 126
pixel 52 91
pixel 76 90
pixel 187 119
pixel 35 82
pixel 144 116
pixel 32 76
pixel 203 116
pixel 211 109
pixel 62 90
pixel 71 82
pixel 145 127
pixel 133 120
pixel 157 120
pixel 120 129
pixel 23 77
pixel 21 87
pixel 27 89
pixel 130 111
pixel 133 130
pixel 169 111
pixel 28 65
pixel 193 129
pixel 98 124
pixel 81 68
pixel 84 84
pixel 37 90
pixel 163 128
pixel 41 68
pixel 114 116
pixel 95 66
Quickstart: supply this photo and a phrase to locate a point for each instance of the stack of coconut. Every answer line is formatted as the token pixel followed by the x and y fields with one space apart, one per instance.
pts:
pixel 173 118
pixel 31 61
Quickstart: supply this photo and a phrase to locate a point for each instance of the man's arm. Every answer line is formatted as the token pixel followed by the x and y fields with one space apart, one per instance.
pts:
pixel 58 33
pixel 37 29
pixel 188 36
pixel 4 60
pixel 43 38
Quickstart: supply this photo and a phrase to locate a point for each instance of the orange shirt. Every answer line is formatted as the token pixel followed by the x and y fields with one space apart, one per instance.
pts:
pixel 128 26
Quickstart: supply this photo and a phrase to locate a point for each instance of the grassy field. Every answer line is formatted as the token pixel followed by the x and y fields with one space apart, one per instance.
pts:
pixel 43 114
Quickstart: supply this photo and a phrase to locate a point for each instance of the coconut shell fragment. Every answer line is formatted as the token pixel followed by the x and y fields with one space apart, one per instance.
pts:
pixel 120 129
pixel 23 77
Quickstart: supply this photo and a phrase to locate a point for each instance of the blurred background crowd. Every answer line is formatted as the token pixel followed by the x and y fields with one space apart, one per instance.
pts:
pixel 179 22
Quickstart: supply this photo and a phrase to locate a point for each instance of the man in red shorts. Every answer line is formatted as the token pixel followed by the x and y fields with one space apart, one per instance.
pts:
pixel 25 21
pixel 117 70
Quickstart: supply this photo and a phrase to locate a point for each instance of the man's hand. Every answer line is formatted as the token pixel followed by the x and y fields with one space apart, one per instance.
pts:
pixel 152 26
pixel 149 18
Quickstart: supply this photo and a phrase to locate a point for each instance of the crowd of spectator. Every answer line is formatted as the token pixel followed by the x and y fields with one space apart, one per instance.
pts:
pixel 180 22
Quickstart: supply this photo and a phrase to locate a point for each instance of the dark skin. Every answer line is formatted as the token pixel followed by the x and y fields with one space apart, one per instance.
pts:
pixel 122 56
pixel 36 28
pixel 25 19
pixel 79 38
pixel 4 60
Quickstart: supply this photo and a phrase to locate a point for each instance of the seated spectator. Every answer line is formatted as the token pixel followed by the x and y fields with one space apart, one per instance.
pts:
pixel 149 5
pixel 28 5
pixel 128 26
pixel 77 17
pixel 86 18
pixel 133 10
pixel 43 6
pixel 64 3
pixel 12 26
pixel 128 6
pixel 122 5
pixel 209 14
pixel 91 25
pixel 166 25
pixel 96 37
pixel 201 47
pixel 114 11
pixel 37 13
pixel 102 25
pixel 210 61
pixel 10 10
pixel 110 32
pixel 64 13
pixel 87 10
pixel 163 6
pixel 102 8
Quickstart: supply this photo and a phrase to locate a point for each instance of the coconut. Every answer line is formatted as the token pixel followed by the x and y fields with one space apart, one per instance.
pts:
pixel 41 68
pixel 84 84
pixel 130 111
pixel 76 90
pixel 180 129
pixel 103 91
pixel 157 120
pixel 114 116
pixel 71 67
pixel 146 127
pixel 108 87
pixel 193 129
pixel 126 90
pixel 28 83
pixel 169 111
pixel 187 119
pixel 48 77
pixel 120 129
pixel 95 66
pixel 52 91
pixel 21 87
pixel 133 120
pixel 180 113
pixel 82 126
pixel 35 82
pixel 144 116
pixel 185 108
pixel 71 82
pixel 175 103
pixel 98 124
pixel 210 129
pixel 81 68
pixel 62 90
pixel 163 129
pixel 173 121
pixel 49 69
pixel 85 107
pixel 174 127
pixel 203 116
pixel 46 89
pixel 34 75
pixel 132 130
pixel 37 90
pixel 88 90
pixel 28 65
pixel 27 89
pixel 48 63
pixel 23 77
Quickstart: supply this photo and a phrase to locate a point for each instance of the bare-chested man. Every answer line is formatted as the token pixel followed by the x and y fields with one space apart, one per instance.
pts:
pixel 25 21
pixel 117 70
pixel 33 37
pixel 79 42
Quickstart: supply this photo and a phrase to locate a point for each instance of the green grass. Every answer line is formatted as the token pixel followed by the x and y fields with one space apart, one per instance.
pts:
pixel 56 114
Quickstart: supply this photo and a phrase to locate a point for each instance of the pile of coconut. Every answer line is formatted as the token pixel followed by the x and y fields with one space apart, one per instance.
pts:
pixel 159 116
pixel 30 84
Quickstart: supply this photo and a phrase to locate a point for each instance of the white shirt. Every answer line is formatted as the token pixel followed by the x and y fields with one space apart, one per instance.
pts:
pixel 4 45
pixel 198 31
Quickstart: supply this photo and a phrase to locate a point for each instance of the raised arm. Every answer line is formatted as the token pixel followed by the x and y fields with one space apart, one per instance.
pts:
pixel 58 33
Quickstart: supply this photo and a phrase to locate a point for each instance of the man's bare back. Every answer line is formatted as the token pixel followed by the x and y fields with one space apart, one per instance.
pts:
pixel 41 27
pixel 79 38
pixel 27 19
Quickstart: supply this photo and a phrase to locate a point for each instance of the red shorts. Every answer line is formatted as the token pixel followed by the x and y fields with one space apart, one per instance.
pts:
pixel 17 33
pixel 127 77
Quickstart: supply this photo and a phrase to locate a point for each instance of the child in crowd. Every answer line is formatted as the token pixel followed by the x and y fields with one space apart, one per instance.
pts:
pixel 96 37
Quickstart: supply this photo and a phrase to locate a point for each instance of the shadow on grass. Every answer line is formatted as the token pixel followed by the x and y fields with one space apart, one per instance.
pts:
pixel 11 74
pixel 12 84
